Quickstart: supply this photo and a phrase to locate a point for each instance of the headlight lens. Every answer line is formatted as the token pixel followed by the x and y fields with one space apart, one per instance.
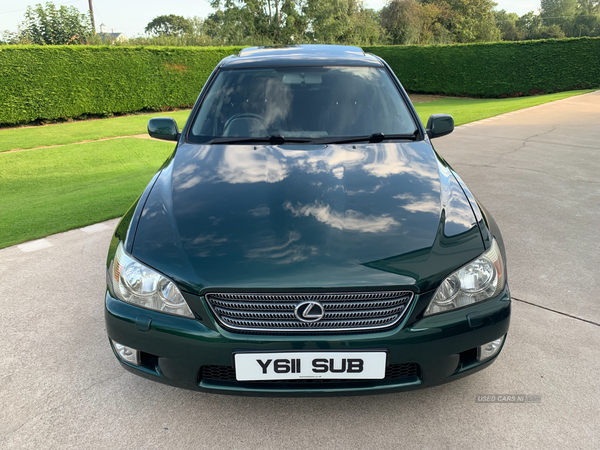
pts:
pixel 140 285
pixel 477 281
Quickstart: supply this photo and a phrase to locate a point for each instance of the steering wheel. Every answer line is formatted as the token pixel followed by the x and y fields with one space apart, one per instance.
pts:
pixel 237 116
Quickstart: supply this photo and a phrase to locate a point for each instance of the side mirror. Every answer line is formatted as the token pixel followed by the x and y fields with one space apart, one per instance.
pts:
pixel 164 128
pixel 439 125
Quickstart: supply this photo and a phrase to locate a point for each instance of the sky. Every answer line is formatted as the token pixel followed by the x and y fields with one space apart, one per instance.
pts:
pixel 131 16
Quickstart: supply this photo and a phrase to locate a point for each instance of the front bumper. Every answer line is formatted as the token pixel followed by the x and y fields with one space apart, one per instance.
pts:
pixel 174 349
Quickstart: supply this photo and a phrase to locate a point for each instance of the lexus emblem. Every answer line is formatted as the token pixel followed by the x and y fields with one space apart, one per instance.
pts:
pixel 309 311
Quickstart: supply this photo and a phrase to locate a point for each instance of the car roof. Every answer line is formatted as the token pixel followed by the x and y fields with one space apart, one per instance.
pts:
pixel 302 55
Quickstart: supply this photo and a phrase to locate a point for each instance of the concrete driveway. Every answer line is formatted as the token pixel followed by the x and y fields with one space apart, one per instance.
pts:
pixel 537 172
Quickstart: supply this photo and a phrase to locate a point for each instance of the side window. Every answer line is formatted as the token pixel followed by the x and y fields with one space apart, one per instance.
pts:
pixel 399 118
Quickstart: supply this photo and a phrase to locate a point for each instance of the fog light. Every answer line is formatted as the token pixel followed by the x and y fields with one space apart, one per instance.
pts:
pixel 127 354
pixel 490 349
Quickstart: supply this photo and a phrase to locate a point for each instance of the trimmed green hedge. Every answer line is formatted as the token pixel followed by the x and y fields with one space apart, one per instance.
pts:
pixel 51 82
pixel 500 69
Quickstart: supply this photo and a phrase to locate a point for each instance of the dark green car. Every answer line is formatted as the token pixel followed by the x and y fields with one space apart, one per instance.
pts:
pixel 304 238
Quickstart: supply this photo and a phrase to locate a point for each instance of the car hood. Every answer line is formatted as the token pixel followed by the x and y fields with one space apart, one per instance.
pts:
pixel 306 217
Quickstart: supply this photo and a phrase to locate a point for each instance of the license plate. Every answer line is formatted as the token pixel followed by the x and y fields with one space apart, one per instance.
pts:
pixel 310 365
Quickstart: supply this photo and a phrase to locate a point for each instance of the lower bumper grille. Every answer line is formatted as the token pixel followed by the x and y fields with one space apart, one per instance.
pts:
pixel 323 312
pixel 227 374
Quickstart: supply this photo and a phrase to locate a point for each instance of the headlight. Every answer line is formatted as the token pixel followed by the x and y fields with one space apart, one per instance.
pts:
pixel 140 285
pixel 477 281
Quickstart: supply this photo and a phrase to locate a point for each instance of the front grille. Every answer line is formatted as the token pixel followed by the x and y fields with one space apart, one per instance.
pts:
pixel 343 312
pixel 227 374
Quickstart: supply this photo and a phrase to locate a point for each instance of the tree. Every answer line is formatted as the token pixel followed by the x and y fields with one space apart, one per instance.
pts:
pixel 434 31
pixel 474 21
pixel 51 26
pixel 365 29
pixel 171 25
pixel 403 21
pixel 340 22
pixel 587 21
pixel 9 37
pixel 286 22
pixel 440 21
pixel 559 12
pixel 414 22
pixel 530 26
pixel 506 23
pixel 252 21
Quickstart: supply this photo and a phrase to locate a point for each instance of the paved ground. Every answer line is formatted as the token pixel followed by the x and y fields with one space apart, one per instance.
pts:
pixel 536 170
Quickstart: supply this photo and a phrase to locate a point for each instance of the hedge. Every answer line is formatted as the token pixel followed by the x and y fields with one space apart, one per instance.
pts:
pixel 499 69
pixel 52 82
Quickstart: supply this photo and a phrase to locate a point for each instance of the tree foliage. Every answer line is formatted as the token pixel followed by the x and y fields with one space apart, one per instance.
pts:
pixel 49 25
pixel 404 21
pixel 292 22
pixel 587 20
pixel 474 21
pixel 171 25
pixel 435 21
pixel 531 26
pixel 559 12
pixel 507 24
pixel 288 22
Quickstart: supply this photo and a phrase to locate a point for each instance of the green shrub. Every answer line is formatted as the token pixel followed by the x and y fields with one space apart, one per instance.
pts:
pixel 51 82
pixel 501 69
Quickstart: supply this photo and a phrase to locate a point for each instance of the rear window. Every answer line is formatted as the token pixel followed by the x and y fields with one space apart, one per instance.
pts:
pixel 302 102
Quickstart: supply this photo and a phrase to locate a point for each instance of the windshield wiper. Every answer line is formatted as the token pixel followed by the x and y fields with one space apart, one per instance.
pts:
pixel 273 139
pixel 375 137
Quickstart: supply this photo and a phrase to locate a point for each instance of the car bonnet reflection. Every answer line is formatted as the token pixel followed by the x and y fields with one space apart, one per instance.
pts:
pixel 298 217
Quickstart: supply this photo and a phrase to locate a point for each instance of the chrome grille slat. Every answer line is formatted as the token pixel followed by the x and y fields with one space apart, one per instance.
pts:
pixel 290 305
pixel 365 305
pixel 315 325
pixel 258 315
pixel 344 312
pixel 364 314
pixel 242 305
pixel 317 297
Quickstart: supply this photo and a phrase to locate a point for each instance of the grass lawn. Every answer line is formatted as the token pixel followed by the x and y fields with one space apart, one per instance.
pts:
pixel 465 110
pixel 46 191
pixel 86 130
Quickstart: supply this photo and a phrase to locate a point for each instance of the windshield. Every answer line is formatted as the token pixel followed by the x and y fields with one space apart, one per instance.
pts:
pixel 302 102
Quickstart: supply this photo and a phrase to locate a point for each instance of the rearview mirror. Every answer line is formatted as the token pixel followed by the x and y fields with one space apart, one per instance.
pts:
pixel 439 125
pixel 164 128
